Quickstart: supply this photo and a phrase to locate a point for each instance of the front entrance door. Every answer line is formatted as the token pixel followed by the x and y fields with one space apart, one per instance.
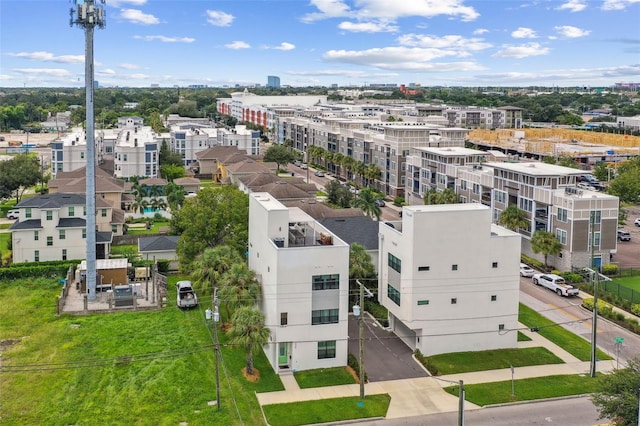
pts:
pixel 283 354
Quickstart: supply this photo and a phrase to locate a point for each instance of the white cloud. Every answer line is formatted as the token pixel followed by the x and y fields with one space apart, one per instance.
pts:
pixel 571 32
pixel 480 31
pixel 50 57
pixel 219 19
pixel 129 66
pixel 448 41
pixel 522 51
pixel 368 27
pixel 618 4
pixel 106 72
pixel 563 76
pixel 573 6
pixel 401 58
pixel 165 39
pixel 285 46
pixel 524 32
pixel 138 17
pixel 390 10
pixel 237 45
pixel 50 72
pixel 118 3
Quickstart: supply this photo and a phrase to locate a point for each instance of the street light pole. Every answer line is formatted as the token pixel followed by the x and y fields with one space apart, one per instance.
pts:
pixel 461 404
pixel 595 277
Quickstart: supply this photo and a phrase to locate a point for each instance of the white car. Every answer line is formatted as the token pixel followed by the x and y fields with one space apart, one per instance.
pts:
pixel 13 214
pixel 637 222
pixel 526 271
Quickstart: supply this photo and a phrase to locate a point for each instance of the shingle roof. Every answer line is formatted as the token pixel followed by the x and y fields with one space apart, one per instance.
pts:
pixel 187 181
pixel 216 152
pixel 360 229
pixel 26 224
pixel 71 222
pixel 159 243
pixel 320 211
pixel 281 190
pixel 53 201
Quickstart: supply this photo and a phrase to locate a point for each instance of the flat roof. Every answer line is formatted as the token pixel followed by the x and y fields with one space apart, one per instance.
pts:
pixel 447 207
pixel 451 151
pixel 537 169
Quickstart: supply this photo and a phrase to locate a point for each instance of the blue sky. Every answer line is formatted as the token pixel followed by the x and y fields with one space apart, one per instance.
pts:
pixel 323 42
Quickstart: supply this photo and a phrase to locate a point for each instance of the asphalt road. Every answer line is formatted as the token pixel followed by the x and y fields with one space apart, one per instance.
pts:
pixel 565 412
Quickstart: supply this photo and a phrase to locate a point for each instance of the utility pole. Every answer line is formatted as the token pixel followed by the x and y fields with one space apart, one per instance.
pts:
pixel 88 15
pixel 595 278
pixel 216 318
pixel 358 310
pixel 461 404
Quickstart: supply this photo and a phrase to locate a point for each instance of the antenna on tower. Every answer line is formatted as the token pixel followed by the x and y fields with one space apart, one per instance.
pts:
pixel 88 15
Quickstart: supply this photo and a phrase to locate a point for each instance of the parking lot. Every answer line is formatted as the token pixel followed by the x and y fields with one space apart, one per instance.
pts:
pixel 628 254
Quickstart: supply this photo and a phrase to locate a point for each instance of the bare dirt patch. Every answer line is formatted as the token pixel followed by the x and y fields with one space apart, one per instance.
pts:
pixel 251 377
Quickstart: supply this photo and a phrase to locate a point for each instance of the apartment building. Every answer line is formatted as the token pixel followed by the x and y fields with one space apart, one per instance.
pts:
pixel 136 153
pixel 69 151
pixel 442 298
pixel 53 227
pixel 506 117
pixel 547 193
pixel 187 139
pixel 244 139
pixel 304 273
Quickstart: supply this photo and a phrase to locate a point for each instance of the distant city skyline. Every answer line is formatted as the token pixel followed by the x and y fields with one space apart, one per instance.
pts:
pixel 498 43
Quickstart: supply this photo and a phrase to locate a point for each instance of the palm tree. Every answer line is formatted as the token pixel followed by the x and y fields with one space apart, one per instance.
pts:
pixel 513 218
pixel 366 201
pixel 175 195
pixel 359 169
pixel 546 243
pixel 155 191
pixel 239 287
pixel 211 264
pixel 248 330
pixel 337 160
pixel 139 205
pixel 372 173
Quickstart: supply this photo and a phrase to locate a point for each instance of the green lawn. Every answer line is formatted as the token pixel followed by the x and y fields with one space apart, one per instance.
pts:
pixel 5 237
pixel 327 410
pixel 523 337
pixel 155 229
pixel 575 345
pixel 527 389
pixel 324 377
pixel 124 249
pixel 462 362
pixel 129 368
pixel 629 282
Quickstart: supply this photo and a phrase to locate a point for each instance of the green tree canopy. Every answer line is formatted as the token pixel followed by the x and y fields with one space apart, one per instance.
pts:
pixel 626 184
pixel 169 157
pixel 171 172
pixel 17 174
pixel 366 201
pixel 513 218
pixel 216 216
pixel 211 265
pixel 338 195
pixel 617 398
pixel 546 243
pixel 448 196
pixel 249 331
pixel 174 194
pixel 278 154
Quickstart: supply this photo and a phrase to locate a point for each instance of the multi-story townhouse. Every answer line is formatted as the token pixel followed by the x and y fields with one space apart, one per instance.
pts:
pixel 187 139
pixel 53 227
pixel 136 153
pixel 443 299
pixel 244 139
pixel 304 273
pixel 69 151
pixel 547 193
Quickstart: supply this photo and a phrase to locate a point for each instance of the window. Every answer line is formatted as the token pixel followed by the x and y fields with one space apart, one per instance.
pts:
pixel 104 212
pixel 81 154
pixel 327 349
pixel 36 256
pixel 561 235
pixel 476 188
pixel 49 241
pixel 84 233
pixel 595 239
pixel 454 267
pixel 283 318
pixel 454 300
pixel 64 254
pixel 326 282
pixel 114 228
pixel 49 215
pixel 494 265
pixel 27 212
pixel 423 302
pixel 500 327
pixel 423 268
pixel 501 196
pixel 463 185
pixel 526 204
pixel 84 210
pixel 324 316
pixel 125 157
pixel 394 263
pixel 494 297
pixel 393 294
pixel 562 215
pixel 596 216
pixel 72 211
pixel 61 234
pixel 36 235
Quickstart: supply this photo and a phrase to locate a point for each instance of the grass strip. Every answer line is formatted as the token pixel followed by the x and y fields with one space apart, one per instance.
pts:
pixel 575 345
pixel 527 389
pixel 464 362
pixel 324 377
pixel 327 410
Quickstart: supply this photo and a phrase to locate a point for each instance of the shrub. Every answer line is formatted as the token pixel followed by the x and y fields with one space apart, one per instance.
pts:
pixel 352 362
pixel 610 269
pixel 635 309
pixel 163 266
pixel 604 308
pixel 398 201
pixel 572 277
pixel 427 364
pixel 534 263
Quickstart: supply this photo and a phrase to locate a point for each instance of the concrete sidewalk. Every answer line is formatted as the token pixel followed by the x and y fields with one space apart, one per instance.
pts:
pixel 425 395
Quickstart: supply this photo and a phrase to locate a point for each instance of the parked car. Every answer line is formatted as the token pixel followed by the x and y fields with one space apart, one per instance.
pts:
pixel 587 186
pixel 556 284
pixel 304 166
pixel 526 270
pixel 13 214
pixel 380 203
pixel 637 222
pixel 623 235
pixel 319 173
pixel 186 296
pixel 297 163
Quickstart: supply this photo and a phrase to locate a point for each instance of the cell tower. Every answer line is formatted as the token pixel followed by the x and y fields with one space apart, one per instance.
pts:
pixel 88 15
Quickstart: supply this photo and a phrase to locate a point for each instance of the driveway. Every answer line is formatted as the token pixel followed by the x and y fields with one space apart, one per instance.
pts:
pixel 386 357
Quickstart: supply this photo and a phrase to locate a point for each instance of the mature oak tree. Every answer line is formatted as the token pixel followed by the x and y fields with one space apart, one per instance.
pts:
pixel 17 174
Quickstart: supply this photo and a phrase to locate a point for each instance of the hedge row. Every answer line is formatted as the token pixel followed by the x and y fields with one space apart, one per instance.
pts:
pixel 34 271
pixel 46 263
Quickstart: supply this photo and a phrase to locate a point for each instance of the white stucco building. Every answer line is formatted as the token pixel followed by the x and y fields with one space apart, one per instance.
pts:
pixel 450 279
pixel 304 273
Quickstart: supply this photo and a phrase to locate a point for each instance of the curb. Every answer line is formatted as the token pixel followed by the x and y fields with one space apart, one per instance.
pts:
pixel 532 401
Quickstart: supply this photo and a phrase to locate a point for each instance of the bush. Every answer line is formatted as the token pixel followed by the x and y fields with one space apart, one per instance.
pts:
pixel 604 308
pixel 635 309
pixel 534 263
pixel 610 269
pixel 163 266
pixel 398 201
pixel 427 364
pixel 352 362
pixel 572 277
